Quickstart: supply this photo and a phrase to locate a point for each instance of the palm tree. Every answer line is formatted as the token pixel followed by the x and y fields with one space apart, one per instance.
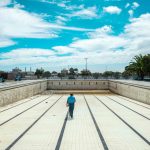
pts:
pixel 138 66
pixel 39 72
pixel 146 61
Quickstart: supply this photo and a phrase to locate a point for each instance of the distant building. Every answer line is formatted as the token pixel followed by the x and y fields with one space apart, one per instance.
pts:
pixel 64 72
pixel 54 74
pixel 30 75
pixel 26 75
pixel 15 72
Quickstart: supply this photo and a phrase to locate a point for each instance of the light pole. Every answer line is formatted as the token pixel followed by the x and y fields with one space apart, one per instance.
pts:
pixel 86 66
pixel 86 63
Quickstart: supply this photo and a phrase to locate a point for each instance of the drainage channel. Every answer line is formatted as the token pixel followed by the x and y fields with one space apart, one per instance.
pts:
pixel 97 128
pixel 61 133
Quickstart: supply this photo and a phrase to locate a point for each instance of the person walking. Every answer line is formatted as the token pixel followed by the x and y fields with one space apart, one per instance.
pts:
pixel 70 102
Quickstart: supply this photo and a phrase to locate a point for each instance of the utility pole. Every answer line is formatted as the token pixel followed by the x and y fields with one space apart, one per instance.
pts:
pixel 86 63
pixel 106 68
pixel 86 66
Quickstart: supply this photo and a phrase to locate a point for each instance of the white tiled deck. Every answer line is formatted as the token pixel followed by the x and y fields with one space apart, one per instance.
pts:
pixel 123 126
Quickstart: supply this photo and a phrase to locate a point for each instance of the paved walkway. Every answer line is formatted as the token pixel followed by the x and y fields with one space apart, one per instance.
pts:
pixel 101 122
pixel 135 82
pixel 16 83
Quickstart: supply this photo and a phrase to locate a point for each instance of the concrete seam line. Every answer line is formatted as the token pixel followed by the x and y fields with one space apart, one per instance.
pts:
pixel 23 133
pixel 135 131
pixel 129 108
pixel 23 111
pixel 97 127
pixel 61 133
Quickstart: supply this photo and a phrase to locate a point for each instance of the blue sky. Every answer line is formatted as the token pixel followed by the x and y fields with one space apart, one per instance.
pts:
pixel 57 34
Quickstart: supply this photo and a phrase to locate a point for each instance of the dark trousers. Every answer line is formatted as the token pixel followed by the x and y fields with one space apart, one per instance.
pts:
pixel 71 108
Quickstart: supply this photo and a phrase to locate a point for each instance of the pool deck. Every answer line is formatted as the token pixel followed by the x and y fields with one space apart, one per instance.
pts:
pixel 101 122
pixel 18 83
pixel 134 83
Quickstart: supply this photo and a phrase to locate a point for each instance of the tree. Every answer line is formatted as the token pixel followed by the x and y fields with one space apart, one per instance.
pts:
pixel 72 73
pixel 54 72
pixel 60 75
pixel 85 73
pixel 139 66
pixel 117 75
pixel 108 74
pixel 127 73
pixel 96 75
pixel 146 61
pixel 64 72
pixel 46 74
pixel 39 72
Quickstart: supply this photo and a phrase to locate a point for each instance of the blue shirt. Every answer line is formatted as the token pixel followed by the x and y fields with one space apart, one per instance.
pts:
pixel 71 99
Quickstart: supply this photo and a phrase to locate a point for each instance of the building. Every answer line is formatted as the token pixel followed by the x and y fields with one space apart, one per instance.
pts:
pixel 15 72
pixel 30 75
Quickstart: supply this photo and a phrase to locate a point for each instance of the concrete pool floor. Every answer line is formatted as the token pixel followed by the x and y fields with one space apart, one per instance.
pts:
pixel 101 122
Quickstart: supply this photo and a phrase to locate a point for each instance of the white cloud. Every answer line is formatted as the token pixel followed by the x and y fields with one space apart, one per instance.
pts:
pixel 99 41
pixel 23 24
pixel 76 10
pixel 62 4
pixel 63 50
pixel 4 42
pixel 26 53
pixel 101 47
pixel 131 12
pixel 104 48
pixel 99 32
pixel 112 10
pixel 139 27
pixel 135 5
pixel 61 20
pixel 85 13
pixel 58 27
pixel 127 5
pixel 17 5
pixel 47 1
pixel 26 56
pixel 17 23
pixel 4 3
pixel 104 43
